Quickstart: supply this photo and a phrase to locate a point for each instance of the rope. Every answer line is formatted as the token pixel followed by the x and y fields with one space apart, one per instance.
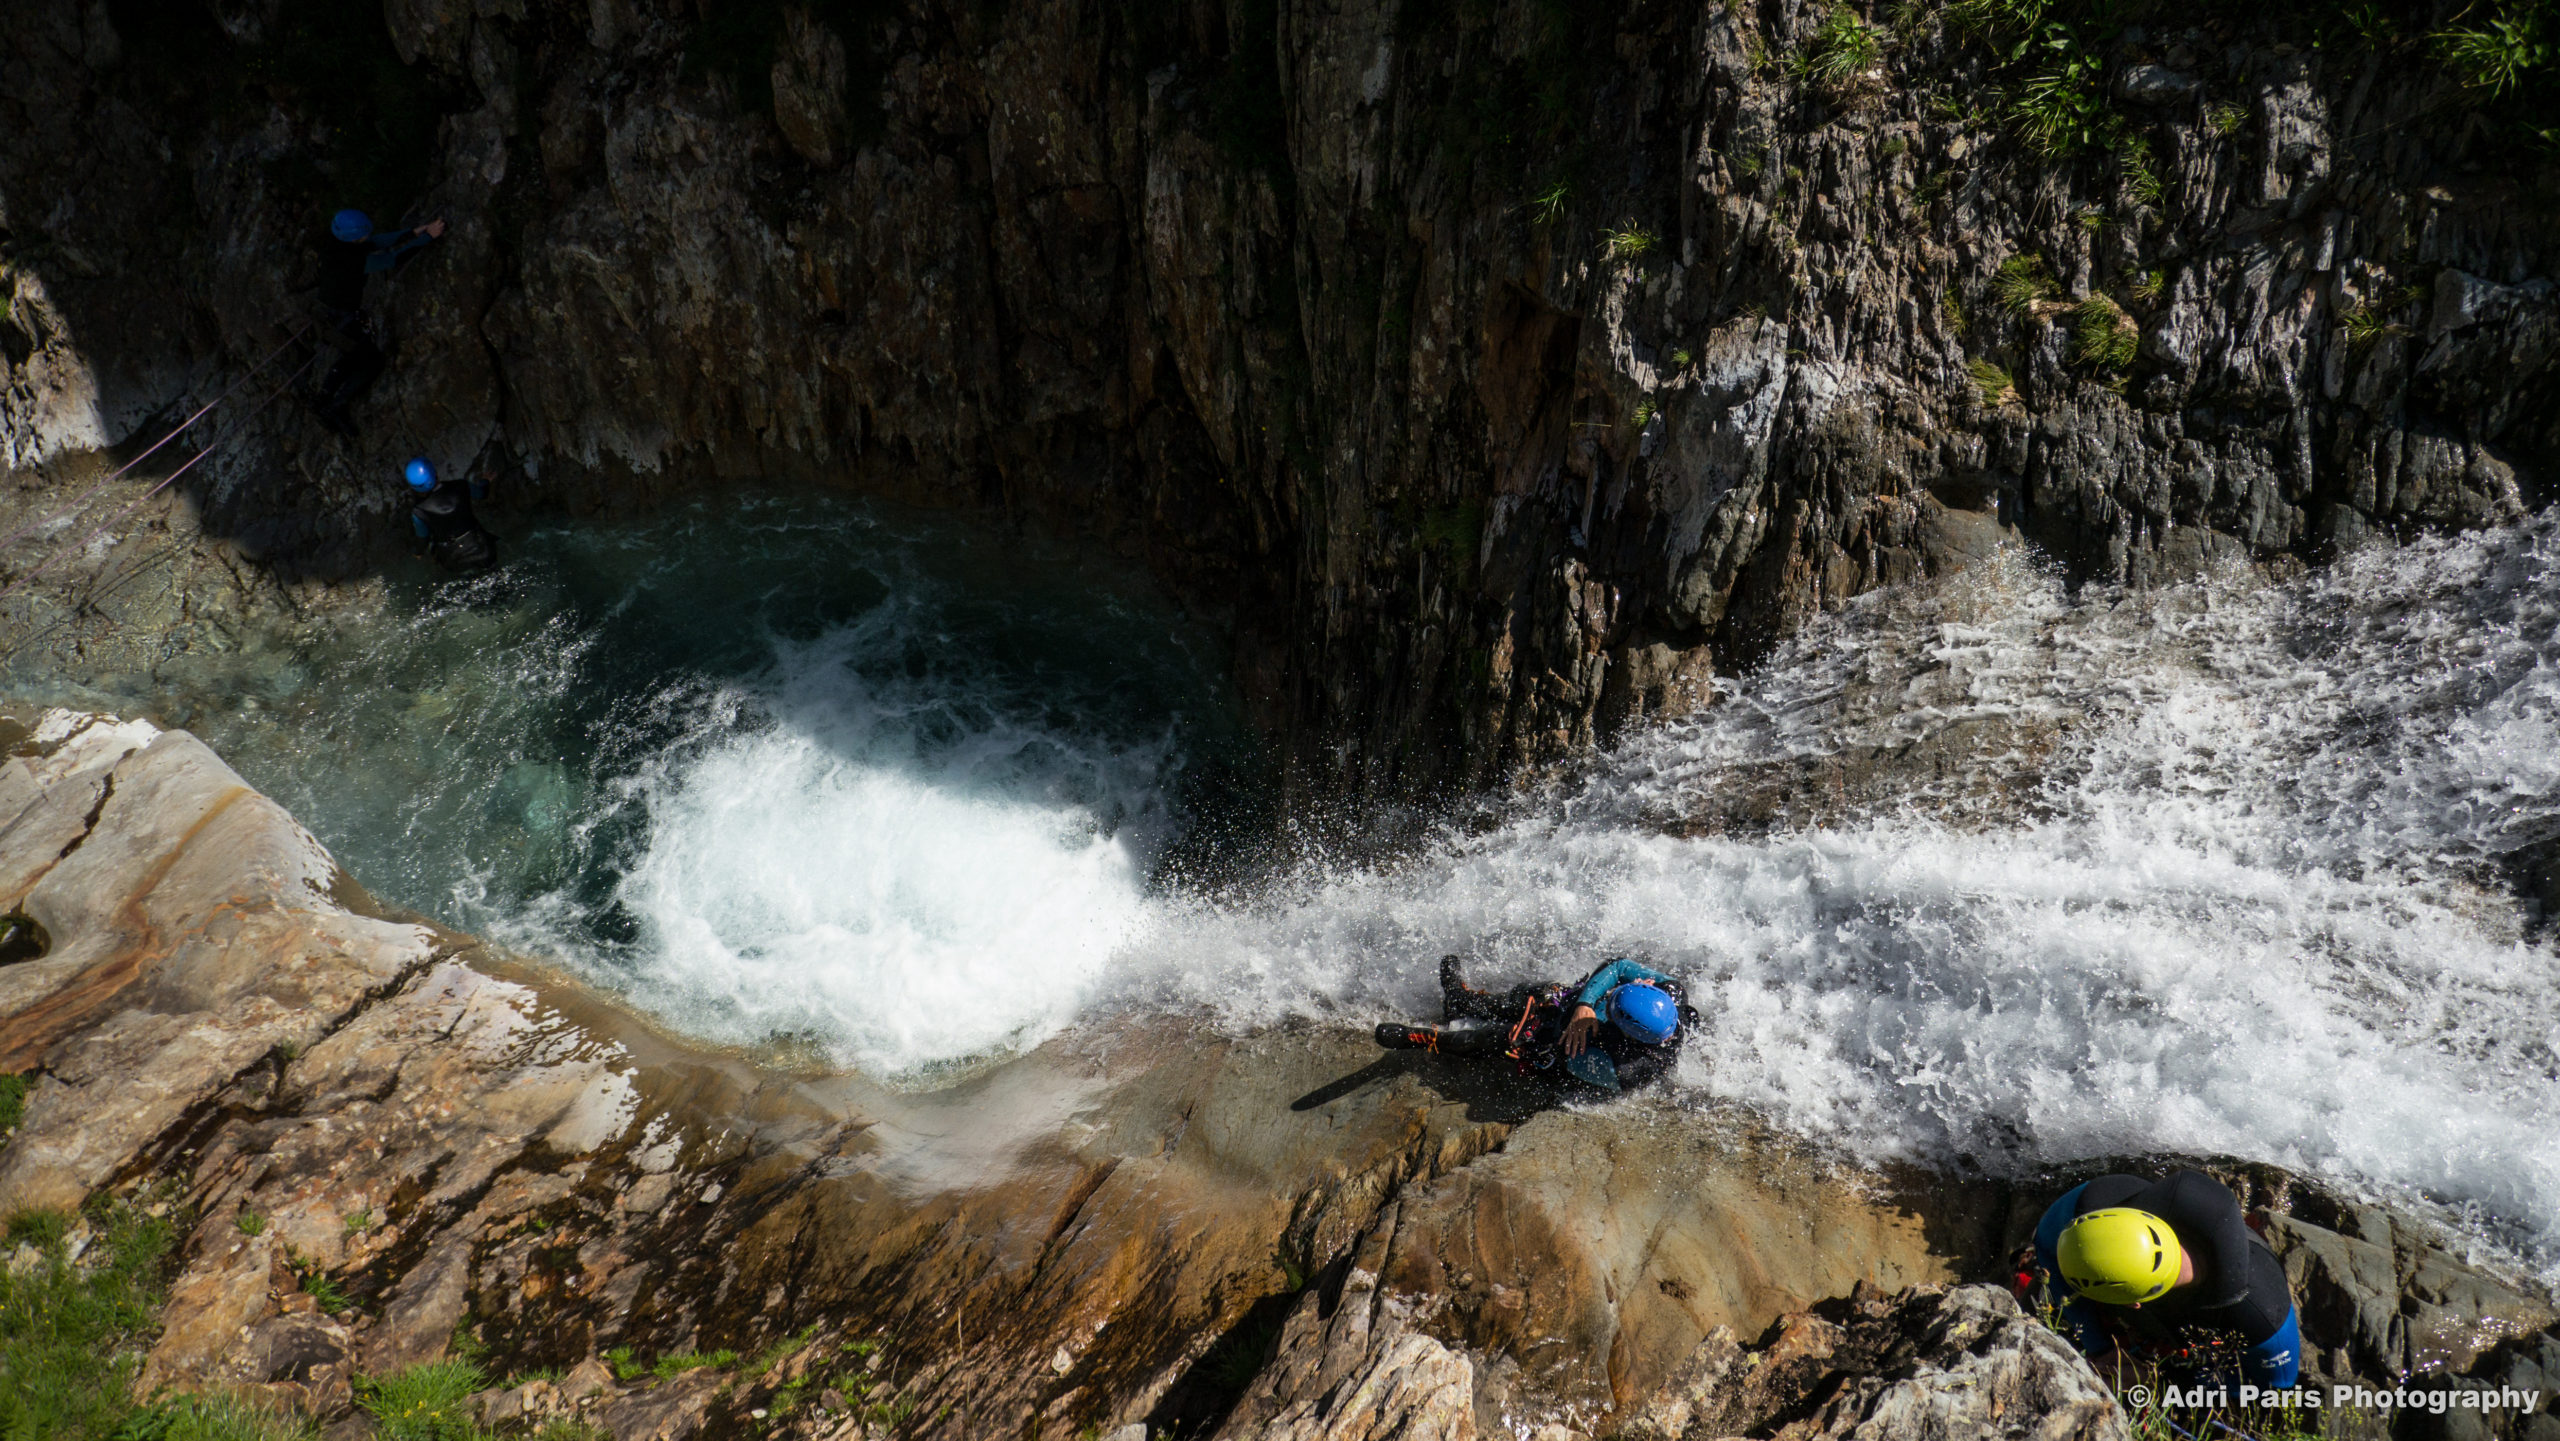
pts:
pixel 92 533
pixel 174 432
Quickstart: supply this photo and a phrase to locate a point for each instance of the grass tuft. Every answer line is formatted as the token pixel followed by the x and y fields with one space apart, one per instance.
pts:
pixel 676 1365
pixel 13 1089
pixel 2141 175
pixel 1632 243
pixel 2365 326
pixel 426 1402
pixel 2023 280
pixel 2495 55
pixel 2103 337
pixel 41 1229
pixel 782 1350
pixel 317 1285
pixel 71 1337
pixel 2063 111
pixel 1842 57
pixel 1992 383
pixel 214 1418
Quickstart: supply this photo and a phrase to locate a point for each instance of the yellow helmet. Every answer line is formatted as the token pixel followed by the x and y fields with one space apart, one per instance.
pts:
pixel 2120 1256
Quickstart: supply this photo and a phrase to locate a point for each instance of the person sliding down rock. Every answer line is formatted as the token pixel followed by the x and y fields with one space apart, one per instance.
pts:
pixel 352 254
pixel 2168 1272
pixel 440 517
pixel 1619 1029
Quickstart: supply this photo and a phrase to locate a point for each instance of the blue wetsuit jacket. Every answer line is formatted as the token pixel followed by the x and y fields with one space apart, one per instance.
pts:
pixel 1637 1063
pixel 1613 975
pixel 2239 1289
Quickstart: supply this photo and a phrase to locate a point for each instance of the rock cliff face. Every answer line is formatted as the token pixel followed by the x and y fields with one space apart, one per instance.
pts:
pixel 1277 1236
pixel 1499 371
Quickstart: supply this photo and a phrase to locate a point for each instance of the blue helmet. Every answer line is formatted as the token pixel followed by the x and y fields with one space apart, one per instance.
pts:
pixel 351 225
pixel 421 473
pixel 1644 1012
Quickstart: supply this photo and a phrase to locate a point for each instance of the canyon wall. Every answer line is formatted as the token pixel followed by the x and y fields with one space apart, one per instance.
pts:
pixel 1496 370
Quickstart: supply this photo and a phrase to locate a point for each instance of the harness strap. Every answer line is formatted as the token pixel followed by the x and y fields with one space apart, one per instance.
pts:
pixel 1528 1008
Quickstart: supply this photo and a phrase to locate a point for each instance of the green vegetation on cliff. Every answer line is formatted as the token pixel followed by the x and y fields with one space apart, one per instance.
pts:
pixel 13 1103
pixel 2053 57
pixel 429 1402
pixel 77 1298
pixel 79 1303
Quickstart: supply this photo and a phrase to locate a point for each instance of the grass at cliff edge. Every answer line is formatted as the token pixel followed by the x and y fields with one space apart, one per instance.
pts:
pixel 79 1301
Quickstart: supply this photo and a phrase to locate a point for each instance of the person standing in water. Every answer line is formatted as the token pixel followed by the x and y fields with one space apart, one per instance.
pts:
pixel 440 516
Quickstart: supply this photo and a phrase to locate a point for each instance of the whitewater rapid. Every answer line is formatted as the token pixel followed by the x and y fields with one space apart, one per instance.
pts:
pixel 1986 870
pixel 2219 875
pixel 2214 871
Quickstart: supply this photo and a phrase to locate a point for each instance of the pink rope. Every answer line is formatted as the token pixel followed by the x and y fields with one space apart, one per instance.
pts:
pixel 83 498
pixel 171 479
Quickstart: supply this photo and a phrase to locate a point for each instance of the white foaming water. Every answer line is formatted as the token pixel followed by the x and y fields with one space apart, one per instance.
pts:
pixel 894 869
pixel 2212 870
pixel 2247 907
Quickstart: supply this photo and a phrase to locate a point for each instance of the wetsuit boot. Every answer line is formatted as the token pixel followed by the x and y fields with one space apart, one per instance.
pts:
pixel 1464 1038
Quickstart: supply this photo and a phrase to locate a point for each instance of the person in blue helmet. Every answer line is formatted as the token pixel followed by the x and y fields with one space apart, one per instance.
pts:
pixel 2166 1271
pixel 1620 1028
pixel 440 518
pixel 353 254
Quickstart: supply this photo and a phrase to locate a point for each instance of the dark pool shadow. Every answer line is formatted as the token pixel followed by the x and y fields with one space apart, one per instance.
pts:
pixel 1488 1088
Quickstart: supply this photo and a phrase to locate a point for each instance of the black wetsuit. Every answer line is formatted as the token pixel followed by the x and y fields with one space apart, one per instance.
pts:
pixel 442 518
pixel 345 265
pixel 2239 1290
pixel 1539 1015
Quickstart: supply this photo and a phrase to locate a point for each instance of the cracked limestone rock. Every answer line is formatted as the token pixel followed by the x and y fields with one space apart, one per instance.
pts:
pixel 1924 1364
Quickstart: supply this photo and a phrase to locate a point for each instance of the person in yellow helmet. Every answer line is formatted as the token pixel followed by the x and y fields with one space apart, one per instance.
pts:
pixel 2156 1266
